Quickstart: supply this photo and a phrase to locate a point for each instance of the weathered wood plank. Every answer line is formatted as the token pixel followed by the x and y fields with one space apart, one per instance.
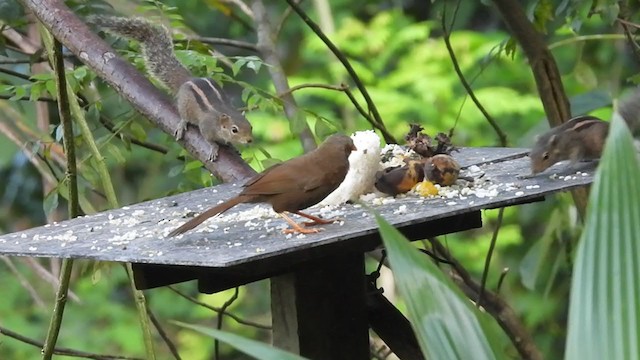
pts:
pixel 319 310
pixel 211 280
pixel 136 233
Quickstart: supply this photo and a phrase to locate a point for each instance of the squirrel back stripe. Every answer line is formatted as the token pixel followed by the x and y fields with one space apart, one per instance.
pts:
pixel 201 98
pixel 156 43
pixel 213 89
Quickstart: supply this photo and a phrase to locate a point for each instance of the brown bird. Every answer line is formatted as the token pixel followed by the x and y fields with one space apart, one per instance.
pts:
pixel 293 185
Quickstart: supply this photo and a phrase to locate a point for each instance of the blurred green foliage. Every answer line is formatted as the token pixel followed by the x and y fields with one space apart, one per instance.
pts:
pixel 398 51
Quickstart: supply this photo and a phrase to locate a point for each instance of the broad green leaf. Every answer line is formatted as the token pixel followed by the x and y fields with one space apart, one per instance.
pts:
pixel 604 312
pixel 445 322
pixel 250 347
pixel 192 165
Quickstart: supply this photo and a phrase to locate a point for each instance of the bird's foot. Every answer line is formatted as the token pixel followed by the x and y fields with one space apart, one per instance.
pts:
pixel 300 230
pixel 321 221
pixel 316 220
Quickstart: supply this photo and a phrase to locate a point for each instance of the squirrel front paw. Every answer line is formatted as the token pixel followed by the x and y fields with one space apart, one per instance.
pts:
pixel 213 155
pixel 182 127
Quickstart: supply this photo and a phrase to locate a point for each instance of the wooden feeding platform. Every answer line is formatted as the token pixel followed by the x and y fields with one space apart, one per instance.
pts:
pixel 318 280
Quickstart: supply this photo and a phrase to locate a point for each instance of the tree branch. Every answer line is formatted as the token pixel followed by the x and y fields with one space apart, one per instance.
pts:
pixel 543 65
pixel 219 310
pixel 267 47
pixel 132 85
pixel 546 73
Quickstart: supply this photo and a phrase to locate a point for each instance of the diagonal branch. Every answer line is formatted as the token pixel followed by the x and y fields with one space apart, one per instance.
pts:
pixel 267 47
pixel 132 85
pixel 544 67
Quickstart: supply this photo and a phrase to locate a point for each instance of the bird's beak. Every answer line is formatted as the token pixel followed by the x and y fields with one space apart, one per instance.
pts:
pixel 354 148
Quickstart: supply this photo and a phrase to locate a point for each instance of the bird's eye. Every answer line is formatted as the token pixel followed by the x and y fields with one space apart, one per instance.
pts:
pixel 234 129
pixel 545 156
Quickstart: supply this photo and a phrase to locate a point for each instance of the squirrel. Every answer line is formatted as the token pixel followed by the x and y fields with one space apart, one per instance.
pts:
pixel 199 101
pixel 581 138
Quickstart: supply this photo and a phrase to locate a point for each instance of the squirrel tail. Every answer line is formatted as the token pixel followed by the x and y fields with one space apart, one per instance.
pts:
pixel 156 43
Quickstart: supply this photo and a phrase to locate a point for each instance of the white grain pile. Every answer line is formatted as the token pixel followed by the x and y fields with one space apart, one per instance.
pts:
pixel 363 164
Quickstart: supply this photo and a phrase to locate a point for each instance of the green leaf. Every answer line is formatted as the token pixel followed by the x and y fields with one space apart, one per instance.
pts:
pixel 50 202
pixel 604 312
pixel 51 88
pixel 192 165
pixel 138 131
pixel 20 92
pixel 175 170
pixel 252 348
pixel 446 324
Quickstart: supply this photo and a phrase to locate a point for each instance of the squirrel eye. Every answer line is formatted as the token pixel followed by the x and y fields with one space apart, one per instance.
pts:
pixel 234 129
pixel 545 156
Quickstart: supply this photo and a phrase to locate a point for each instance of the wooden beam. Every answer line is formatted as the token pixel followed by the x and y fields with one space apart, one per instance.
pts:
pixel 319 311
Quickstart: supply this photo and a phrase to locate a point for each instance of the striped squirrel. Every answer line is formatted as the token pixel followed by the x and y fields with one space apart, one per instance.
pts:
pixel 199 101
pixel 582 137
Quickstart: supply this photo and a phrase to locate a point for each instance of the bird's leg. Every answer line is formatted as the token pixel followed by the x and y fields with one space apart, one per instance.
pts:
pixel 295 227
pixel 316 220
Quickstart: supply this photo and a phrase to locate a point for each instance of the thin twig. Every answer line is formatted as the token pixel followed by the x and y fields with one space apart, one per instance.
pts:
pixel 503 275
pixel 218 310
pixel 487 261
pixel 40 270
pixel 71 176
pixel 285 15
pixel 435 257
pixel 583 38
pixel 311 85
pixel 624 12
pixel 163 335
pixel 232 299
pixel 64 351
pixel 354 76
pixel 242 6
pixel 502 137
pixel 151 146
pixel 9 61
pixel 343 88
pixel 15 74
pixel 23 281
pixel 221 41
pixel 27 98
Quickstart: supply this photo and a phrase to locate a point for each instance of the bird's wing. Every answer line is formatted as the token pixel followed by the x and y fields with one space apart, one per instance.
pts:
pixel 278 179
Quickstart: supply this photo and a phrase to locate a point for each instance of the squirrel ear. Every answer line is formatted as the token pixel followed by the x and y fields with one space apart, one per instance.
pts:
pixel 553 139
pixel 225 119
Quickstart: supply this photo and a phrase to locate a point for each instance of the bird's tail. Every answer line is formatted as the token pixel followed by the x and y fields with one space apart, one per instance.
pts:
pixel 219 209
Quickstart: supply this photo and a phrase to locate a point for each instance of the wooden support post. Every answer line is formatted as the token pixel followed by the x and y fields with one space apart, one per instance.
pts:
pixel 319 310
